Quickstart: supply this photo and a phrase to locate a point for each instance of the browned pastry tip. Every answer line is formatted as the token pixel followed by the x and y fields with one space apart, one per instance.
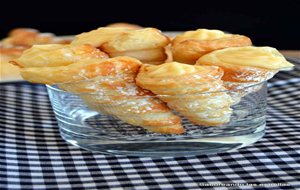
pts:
pixel 125 25
pixel 14 51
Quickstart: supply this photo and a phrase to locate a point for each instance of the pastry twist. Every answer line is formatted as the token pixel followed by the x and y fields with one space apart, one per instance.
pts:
pixel 193 91
pixel 244 66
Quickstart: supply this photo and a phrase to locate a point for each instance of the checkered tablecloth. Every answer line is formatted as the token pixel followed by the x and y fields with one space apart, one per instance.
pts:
pixel 33 156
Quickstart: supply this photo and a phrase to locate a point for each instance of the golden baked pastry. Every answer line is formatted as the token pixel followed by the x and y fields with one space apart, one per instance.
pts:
pixel 246 64
pixel 102 67
pixel 191 45
pixel 28 37
pixel 193 91
pixel 147 45
pixel 108 86
pixel 18 41
pixel 244 67
pixel 53 55
pixel 9 72
pixel 124 25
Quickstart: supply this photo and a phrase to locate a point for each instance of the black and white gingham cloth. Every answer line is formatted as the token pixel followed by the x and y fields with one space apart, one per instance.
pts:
pixel 33 155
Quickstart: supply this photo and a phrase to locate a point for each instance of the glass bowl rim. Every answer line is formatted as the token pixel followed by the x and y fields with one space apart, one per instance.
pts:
pixel 57 89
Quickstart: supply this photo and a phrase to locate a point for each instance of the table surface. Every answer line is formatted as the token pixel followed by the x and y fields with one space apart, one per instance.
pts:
pixel 33 156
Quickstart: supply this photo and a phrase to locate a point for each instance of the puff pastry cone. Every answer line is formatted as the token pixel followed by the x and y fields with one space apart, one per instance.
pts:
pixel 189 46
pixel 244 66
pixel 18 41
pixel 107 85
pixel 193 91
pixel 147 44
pixel 54 55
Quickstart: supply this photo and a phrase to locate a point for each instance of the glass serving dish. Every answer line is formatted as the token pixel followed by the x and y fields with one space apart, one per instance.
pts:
pixel 92 130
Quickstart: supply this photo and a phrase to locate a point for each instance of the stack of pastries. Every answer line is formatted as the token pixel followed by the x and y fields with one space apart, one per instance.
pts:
pixel 142 77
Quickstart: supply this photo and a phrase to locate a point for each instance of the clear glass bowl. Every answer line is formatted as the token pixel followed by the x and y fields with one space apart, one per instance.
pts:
pixel 95 131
